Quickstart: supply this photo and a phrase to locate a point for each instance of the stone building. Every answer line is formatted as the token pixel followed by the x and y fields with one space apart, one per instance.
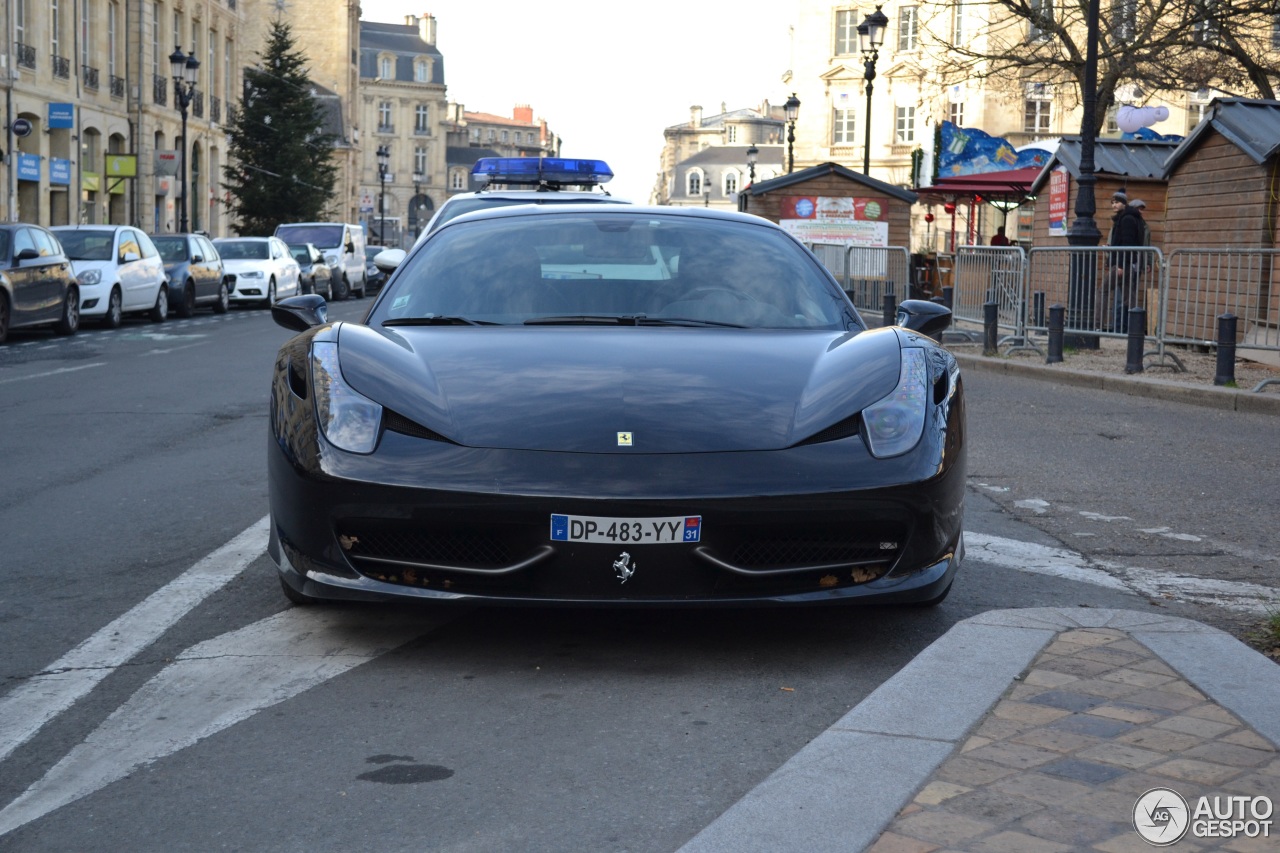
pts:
pixel 683 181
pixel 473 135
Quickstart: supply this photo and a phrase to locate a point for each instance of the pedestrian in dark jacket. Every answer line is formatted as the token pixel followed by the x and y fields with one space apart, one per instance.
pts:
pixel 1127 230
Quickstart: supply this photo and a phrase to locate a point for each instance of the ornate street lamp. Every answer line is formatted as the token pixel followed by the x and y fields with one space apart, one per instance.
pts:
pixel 792 110
pixel 1084 231
pixel 183 67
pixel 870 38
pixel 753 154
pixel 384 160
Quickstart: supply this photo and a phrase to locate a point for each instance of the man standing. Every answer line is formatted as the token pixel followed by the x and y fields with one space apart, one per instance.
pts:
pixel 1127 230
pixel 1000 239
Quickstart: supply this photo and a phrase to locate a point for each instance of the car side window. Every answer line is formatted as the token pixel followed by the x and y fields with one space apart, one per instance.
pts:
pixel 45 244
pixel 148 248
pixel 127 244
pixel 22 239
pixel 207 249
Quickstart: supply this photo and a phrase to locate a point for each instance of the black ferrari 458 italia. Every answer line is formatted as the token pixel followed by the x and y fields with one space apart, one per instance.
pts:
pixel 609 404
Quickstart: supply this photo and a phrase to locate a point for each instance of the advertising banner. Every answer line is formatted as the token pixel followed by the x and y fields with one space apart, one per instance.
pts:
pixel 166 161
pixel 1058 195
pixel 59 171
pixel 828 219
pixel 61 115
pixel 28 167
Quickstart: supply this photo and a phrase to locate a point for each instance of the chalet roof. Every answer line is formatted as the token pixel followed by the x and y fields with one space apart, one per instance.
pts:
pixel 1128 158
pixel 403 40
pixel 1252 124
pixel 1005 185
pixel 784 181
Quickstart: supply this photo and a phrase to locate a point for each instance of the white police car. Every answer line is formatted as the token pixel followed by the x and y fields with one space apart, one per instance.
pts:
pixel 528 180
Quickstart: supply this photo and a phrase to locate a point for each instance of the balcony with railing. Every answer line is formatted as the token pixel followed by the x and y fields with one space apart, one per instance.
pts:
pixel 159 90
pixel 90 76
pixel 62 67
pixel 117 86
pixel 421 131
pixel 24 54
pixel 215 108
pixel 197 104
pixel 388 129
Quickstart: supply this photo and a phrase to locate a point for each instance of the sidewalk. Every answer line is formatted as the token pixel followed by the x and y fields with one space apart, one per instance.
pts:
pixel 1033 730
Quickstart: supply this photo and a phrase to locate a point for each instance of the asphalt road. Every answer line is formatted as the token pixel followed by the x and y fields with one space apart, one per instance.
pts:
pixel 172 701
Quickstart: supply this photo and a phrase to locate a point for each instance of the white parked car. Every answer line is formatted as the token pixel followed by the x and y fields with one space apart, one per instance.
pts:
pixel 265 269
pixel 119 272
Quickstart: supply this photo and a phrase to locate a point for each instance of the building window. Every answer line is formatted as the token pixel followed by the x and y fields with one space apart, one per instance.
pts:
pixel 55 28
pixel 384 115
pixel 492 136
pixel 457 180
pixel 420 160
pixel 905 130
pixel 386 68
pixel 1041 21
pixel 693 183
pixel 842 127
pixel 957 23
pixel 1109 124
pixel 730 183
pixel 421 118
pixel 1275 33
pixel 955 113
pixel 908 24
pixel 86 32
pixel 1124 19
pixel 1207 27
pixel 506 137
pixel 422 71
pixel 1037 116
pixel 228 71
pixel 20 21
pixel 475 134
pixel 732 133
pixel 846 31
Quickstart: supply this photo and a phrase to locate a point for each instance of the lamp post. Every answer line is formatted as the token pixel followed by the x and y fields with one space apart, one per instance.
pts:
pixel 1084 231
pixel 384 159
pixel 753 154
pixel 183 68
pixel 792 110
pixel 417 207
pixel 870 38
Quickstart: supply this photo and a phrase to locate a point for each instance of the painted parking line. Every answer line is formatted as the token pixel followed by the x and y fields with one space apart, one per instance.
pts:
pixel 48 693
pixel 214 685
pixel 57 372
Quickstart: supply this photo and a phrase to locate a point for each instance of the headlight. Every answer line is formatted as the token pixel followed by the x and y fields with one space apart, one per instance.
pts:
pixel 90 277
pixel 250 274
pixel 894 424
pixel 347 418
pixel 331 260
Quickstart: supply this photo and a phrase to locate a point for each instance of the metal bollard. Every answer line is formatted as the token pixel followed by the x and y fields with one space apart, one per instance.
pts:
pixel 1037 308
pixel 990 319
pixel 1137 338
pixel 948 296
pixel 1057 321
pixel 1226 368
pixel 890 309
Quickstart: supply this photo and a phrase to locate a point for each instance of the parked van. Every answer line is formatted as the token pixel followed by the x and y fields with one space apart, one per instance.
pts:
pixel 343 246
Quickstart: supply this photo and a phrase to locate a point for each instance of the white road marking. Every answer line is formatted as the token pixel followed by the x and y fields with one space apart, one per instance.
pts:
pixel 1058 562
pixel 34 702
pixel 210 687
pixel 53 372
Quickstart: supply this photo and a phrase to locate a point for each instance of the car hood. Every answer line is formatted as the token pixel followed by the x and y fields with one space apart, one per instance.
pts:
pixel 83 266
pixel 175 266
pixel 242 264
pixel 674 390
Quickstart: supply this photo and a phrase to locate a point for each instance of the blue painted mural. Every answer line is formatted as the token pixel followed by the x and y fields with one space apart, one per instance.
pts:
pixel 969 151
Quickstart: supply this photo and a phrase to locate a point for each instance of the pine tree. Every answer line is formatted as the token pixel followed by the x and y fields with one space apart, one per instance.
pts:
pixel 281 167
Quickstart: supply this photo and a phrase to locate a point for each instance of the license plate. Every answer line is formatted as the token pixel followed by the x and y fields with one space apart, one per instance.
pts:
pixel 672 530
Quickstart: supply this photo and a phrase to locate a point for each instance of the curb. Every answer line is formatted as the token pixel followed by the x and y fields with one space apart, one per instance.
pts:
pixel 843 789
pixel 1212 396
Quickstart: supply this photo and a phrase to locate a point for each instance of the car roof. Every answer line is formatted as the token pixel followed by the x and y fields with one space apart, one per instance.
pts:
pixel 637 210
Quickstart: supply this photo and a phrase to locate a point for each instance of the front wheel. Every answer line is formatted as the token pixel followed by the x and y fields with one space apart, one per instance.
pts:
pixel 70 322
pixel 4 317
pixel 344 290
pixel 271 294
pixel 187 306
pixel 115 310
pixel 224 299
pixel 160 311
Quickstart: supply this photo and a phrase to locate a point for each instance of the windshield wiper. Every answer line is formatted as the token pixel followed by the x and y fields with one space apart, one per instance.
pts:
pixel 586 320
pixel 436 320
pixel 686 321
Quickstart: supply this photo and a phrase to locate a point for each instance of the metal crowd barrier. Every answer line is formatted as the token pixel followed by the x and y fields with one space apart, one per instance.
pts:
pixel 1183 295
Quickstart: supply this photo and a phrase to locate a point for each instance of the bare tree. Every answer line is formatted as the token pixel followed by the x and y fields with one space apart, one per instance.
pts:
pixel 1157 45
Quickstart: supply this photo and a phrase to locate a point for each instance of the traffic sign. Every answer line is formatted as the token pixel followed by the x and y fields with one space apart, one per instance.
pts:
pixel 20 127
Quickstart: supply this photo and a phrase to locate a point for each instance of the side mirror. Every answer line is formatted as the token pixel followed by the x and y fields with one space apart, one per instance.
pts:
pixel 388 259
pixel 129 257
pixel 26 255
pixel 925 318
pixel 197 259
pixel 350 247
pixel 299 313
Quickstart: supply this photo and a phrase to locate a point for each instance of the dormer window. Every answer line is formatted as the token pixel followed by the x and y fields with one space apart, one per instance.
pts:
pixel 387 67
pixel 422 71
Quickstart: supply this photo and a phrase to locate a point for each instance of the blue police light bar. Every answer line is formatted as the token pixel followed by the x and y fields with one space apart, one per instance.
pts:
pixel 558 171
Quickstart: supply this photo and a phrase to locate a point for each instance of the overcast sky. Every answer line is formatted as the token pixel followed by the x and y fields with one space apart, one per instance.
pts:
pixel 608 76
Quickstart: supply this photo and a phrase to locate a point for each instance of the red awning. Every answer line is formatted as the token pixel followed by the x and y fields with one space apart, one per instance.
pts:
pixel 1010 184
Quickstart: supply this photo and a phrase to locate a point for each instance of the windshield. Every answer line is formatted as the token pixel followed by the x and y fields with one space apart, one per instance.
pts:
pixel 483 202
pixel 320 236
pixel 301 254
pixel 171 249
pixel 611 266
pixel 243 250
pixel 82 245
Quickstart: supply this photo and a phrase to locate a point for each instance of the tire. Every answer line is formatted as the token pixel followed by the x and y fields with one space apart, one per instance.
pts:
pixel 224 299
pixel 187 306
pixel 344 290
pixel 160 311
pixel 271 294
pixel 296 597
pixel 70 322
pixel 115 315
pixel 328 289
pixel 4 316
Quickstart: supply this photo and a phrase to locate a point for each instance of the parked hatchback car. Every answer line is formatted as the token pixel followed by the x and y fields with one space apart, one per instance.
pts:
pixel 119 271
pixel 374 278
pixel 314 275
pixel 263 267
pixel 37 286
pixel 195 272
